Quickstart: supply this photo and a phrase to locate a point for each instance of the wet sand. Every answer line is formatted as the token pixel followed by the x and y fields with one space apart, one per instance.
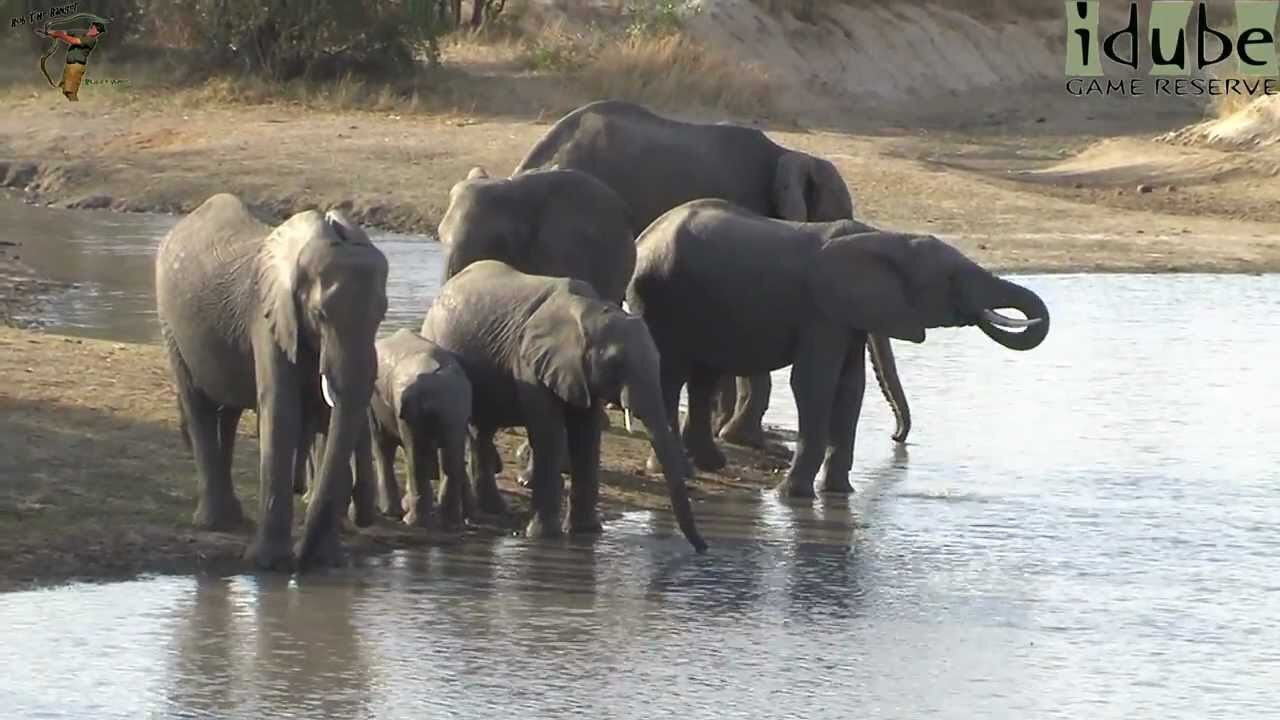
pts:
pixel 99 486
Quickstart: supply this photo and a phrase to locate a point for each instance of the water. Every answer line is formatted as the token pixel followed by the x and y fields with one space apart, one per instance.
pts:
pixel 111 259
pixel 1084 530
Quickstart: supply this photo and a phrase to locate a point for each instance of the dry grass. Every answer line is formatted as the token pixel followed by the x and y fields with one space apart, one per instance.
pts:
pixel 1226 105
pixel 674 71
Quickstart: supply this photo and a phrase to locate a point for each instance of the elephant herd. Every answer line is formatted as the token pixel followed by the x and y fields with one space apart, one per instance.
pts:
pixel 628 257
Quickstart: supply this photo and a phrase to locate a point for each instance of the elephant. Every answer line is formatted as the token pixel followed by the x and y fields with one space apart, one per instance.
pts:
pixel 282 321
pixel 655 163
pixel 422 402
pixel 726 290
pixel 560 223
pixel 545 353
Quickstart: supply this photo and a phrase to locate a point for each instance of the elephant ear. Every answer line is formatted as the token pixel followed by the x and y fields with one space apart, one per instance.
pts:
pixel 553 350
pixel 279 273
pixel 861 281
pixel 791 187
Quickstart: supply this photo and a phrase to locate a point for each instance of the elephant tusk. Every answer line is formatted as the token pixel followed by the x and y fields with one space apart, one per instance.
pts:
pixel 626 308
pixel 324 390
pixel 999 320
pixel 626 419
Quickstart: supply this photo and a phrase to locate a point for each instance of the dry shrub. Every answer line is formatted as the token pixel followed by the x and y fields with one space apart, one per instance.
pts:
pixel 674 71
pixel 1221 106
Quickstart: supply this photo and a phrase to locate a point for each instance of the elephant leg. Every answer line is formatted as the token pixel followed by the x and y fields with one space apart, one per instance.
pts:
pixel 420 458
pixel 844 421
pixel 452 499
pixel 525 477
pixel 389 500
pixel 582 431
pixel 279 433
pixel 672 378
pixel 746 427
pixel 726 400
pixel 545 422
pixel 217 507
pixel 696 434
pixel 483 473
pixel 814 376
pixel 228 425
pixel 364 490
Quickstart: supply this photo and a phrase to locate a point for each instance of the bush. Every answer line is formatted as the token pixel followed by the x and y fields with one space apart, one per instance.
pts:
pixel 283 40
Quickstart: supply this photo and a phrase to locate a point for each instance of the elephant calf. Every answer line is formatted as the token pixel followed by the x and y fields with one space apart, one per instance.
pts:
pixel 421 402
pixel 727 291
pixel 545 353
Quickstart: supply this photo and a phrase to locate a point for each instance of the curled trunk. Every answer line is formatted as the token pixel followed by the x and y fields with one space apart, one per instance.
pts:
pixel 1012 295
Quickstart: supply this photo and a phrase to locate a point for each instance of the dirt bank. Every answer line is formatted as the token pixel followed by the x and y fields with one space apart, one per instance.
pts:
pixel 395 171
pixel 97 484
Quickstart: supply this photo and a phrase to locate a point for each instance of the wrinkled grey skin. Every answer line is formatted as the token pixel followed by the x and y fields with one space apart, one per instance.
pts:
pixel 558 223
pixel 252 317
pixel 828 290
pixel 421 402
pixel 545 353
pixel 655 163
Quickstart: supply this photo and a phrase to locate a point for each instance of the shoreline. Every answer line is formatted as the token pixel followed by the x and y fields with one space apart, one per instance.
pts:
pixel 73 403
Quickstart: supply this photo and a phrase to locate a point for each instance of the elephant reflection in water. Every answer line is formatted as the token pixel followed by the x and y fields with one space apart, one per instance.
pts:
pixel 298 650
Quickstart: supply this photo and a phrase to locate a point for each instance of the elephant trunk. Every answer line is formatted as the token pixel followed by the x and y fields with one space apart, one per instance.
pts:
pixel 333 484
pixel 347 371
pixel 996 326
pixel 645 403
pixel 886 369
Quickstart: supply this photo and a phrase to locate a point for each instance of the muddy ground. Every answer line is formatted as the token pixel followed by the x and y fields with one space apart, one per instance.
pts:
pixel 98 485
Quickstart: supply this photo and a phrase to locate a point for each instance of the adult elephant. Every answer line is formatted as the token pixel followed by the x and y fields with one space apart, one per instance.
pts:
pixel 545 353
pixel 655 163
pixel 558 223
pixel 280 321
pixel 698 287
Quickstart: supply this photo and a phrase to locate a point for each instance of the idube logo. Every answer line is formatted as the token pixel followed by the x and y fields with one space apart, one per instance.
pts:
pixel 1177 66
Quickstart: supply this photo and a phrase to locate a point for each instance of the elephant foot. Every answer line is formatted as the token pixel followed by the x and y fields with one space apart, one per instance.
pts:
pixel 742 434
pixel 221 516
pixel 791 489
pixel 361 515
pixel 490 501
pixel 326 551
pixel 538 528
pixel 707 457
pixel 836 485
pixel 452 519
pixel 584 523
pixel 652 465
pixel 269 555
pixel 391 510
pixel 418 514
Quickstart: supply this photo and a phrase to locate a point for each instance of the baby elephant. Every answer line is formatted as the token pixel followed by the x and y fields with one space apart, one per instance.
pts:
pixel 422 402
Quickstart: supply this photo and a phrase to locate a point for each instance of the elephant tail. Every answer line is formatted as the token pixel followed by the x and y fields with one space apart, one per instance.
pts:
pixel 886 369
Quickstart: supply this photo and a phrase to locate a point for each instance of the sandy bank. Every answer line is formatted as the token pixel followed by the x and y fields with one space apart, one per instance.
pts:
pixel 97 484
